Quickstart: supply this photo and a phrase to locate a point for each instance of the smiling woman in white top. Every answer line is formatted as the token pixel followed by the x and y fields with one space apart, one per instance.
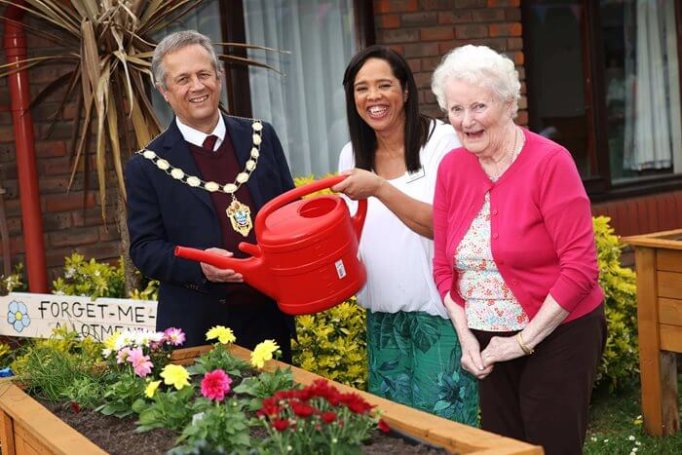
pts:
pixel 392 160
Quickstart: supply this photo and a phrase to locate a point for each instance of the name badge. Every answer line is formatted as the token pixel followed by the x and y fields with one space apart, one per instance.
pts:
pixel 412 176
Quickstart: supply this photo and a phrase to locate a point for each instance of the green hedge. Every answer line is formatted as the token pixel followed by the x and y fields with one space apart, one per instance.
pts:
pixel 620 364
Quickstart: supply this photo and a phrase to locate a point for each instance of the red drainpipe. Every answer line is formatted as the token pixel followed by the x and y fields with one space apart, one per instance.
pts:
pixel 32 221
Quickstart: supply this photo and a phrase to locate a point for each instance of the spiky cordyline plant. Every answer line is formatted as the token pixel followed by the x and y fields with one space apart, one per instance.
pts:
pixel 107 46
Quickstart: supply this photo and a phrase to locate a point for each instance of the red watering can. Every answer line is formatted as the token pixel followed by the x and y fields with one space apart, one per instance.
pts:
pixel 307 253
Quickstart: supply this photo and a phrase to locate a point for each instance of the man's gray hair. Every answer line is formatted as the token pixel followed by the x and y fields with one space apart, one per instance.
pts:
pixel 176 41
pixel 479 66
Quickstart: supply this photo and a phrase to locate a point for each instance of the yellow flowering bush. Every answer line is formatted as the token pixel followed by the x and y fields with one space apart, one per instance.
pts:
pixel 89 278
pixel 64 343
pixel 150 291
pixel 620 362
pixel 333 344
pixel 14 281
pixel 4 350
pixel 300 181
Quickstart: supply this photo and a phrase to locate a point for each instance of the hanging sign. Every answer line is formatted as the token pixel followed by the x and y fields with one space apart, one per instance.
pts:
pixel 36 315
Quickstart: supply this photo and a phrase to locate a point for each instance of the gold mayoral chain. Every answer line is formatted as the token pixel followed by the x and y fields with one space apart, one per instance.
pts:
pixel 238 213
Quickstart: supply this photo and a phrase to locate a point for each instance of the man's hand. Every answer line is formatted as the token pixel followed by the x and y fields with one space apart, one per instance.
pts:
pixel 216 275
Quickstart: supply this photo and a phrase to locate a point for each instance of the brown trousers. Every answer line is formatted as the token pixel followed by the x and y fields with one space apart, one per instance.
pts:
pixel 543 398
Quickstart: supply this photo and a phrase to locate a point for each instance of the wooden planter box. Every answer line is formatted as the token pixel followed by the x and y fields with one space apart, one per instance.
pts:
pixel 658 259
pixel 27 428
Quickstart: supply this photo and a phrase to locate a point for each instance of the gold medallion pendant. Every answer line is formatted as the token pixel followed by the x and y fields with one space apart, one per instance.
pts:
pixel 238 213
pixel 240 217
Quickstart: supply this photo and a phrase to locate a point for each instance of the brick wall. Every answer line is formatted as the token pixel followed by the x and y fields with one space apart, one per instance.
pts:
pixel 424 30
pixel 71 219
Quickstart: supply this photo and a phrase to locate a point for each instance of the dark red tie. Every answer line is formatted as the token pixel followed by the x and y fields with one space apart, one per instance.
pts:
pixel 209 142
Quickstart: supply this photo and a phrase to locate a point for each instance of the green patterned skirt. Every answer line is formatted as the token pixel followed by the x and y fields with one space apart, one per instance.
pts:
pixel 414 359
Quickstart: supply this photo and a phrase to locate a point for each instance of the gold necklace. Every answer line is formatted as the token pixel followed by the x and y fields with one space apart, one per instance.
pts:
pixel 239 214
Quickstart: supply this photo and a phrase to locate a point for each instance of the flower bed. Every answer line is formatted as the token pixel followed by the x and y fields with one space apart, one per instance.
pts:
pixel 27 428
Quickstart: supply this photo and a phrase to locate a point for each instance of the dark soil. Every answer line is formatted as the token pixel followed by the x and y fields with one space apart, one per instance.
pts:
pixel 117 436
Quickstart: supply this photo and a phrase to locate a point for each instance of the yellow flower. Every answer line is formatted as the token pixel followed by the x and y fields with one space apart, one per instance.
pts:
pixel 151 388
pixel 175 375
pixel 110 342
pixel 223 334
pixel 263 352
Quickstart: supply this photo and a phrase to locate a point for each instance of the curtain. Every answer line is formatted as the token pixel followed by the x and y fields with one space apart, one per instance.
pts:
pixel 306 103
pixel 652 119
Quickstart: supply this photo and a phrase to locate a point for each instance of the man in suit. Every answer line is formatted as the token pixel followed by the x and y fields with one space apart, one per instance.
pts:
pixel 200 184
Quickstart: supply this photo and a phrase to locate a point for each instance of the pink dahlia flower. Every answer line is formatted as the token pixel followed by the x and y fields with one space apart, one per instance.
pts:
pixel 140 362
pixel 215 385
pixel 174 336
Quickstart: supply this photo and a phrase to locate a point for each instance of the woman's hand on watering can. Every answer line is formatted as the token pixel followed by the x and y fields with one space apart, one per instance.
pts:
pixel 360 184
pixel 217 275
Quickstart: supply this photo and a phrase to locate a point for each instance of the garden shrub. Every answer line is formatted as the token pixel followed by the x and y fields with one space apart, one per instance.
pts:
pixel 47 366
pixel 333 344
pixel 89 278
pixel 620 363
pixel 300 181
pixel 13 281
pixel 5 351
pixel 150 291
pixel 99 279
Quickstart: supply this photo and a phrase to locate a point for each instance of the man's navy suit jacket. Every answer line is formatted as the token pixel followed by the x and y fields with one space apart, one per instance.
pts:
pixel 164 213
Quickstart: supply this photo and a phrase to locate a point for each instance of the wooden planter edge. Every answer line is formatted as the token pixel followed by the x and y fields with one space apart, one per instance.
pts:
pixel 23 419
pixel 662 239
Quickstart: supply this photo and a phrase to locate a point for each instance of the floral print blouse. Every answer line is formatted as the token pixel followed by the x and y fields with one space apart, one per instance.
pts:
pixel 489 303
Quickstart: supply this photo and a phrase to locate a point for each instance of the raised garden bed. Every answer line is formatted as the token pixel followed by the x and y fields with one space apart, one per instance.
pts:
pixel 658 259
pixel 28 428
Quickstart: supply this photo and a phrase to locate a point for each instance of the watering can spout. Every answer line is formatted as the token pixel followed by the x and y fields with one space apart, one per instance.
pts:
pixel 252 268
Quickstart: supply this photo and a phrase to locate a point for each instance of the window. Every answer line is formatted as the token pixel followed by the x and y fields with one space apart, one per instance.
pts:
pixel 306 103
pixel 603 80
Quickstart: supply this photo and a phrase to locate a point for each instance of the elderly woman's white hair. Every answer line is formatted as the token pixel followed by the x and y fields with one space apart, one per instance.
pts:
pixel 480 66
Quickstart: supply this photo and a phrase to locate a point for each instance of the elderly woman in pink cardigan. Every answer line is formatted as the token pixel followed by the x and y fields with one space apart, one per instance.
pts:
pixel 515 259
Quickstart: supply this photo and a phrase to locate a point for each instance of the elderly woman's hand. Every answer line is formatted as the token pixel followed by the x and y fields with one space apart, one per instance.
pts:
pixel 360 184
pixel 472 360
pixel 500 349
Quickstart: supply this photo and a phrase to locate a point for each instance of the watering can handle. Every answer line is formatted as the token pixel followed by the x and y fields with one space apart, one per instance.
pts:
pixel 297 193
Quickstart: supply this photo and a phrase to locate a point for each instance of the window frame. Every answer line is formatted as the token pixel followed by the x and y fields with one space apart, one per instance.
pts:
pixel 599 186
